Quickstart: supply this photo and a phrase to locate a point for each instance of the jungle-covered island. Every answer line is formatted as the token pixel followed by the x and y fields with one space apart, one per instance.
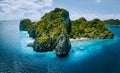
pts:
pixel 54 30
pixel 114 22
pixel 90 29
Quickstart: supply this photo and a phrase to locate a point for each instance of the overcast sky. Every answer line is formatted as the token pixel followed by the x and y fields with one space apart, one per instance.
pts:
pixel 34 9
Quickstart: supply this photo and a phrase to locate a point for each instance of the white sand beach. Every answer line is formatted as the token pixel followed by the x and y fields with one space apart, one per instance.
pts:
pixel 81 39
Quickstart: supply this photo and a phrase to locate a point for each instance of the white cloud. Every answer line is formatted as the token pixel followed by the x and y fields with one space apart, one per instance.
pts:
pixel 98 1
pixel 74 16
pixel 16 9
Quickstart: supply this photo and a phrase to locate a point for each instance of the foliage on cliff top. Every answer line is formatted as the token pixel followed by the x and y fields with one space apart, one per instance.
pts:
pixel 112 22
pixel 48 30
pixel 54 29
pixel 25 24
pixel 90 29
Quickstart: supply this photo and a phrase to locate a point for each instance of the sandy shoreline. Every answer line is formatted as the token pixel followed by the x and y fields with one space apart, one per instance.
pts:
pixel 81 39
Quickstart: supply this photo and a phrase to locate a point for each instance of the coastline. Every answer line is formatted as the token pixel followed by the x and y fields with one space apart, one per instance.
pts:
pixel 112 25
pixel 81 39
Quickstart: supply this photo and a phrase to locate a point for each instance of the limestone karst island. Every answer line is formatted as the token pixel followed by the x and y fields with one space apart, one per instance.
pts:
pixel 55 29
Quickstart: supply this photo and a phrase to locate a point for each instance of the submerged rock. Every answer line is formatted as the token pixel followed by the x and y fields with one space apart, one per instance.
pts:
pixel 30 44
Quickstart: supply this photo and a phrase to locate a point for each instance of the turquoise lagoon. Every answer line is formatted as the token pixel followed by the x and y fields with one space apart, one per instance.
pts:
pixel 93 56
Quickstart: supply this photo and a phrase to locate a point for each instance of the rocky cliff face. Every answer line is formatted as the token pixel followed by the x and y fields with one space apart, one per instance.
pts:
pixel 62 44
pixel 52 32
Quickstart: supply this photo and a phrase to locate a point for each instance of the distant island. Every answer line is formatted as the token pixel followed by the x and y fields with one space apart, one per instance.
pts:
pixel 54 30
pixel 112 22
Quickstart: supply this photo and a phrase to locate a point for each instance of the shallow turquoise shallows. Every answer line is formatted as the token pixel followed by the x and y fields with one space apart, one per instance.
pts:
pixel 94 56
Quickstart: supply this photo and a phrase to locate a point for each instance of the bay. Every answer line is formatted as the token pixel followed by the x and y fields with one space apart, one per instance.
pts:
pixel 94 56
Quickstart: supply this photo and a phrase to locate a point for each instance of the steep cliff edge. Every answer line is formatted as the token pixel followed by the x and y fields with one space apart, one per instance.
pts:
pixel 52 32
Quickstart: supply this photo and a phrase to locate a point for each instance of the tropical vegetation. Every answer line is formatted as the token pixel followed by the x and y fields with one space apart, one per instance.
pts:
pixel 54 30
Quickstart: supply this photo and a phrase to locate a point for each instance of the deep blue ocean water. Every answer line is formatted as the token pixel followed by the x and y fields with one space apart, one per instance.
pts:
pixel 94 56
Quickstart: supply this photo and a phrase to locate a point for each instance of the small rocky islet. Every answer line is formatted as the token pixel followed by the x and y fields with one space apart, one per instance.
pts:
pixel 54 30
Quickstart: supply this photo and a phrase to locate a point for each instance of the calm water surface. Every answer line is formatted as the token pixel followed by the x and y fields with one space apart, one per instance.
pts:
pixel 95 56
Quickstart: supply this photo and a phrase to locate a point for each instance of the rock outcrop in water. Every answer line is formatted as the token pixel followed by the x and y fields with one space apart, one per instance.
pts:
pixel 54 30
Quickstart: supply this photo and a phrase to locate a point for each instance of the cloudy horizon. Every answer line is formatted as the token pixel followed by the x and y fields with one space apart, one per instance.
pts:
pixel 35 9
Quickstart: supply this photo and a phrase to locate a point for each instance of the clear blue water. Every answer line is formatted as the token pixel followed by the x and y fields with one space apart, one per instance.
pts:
pixel 95 56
